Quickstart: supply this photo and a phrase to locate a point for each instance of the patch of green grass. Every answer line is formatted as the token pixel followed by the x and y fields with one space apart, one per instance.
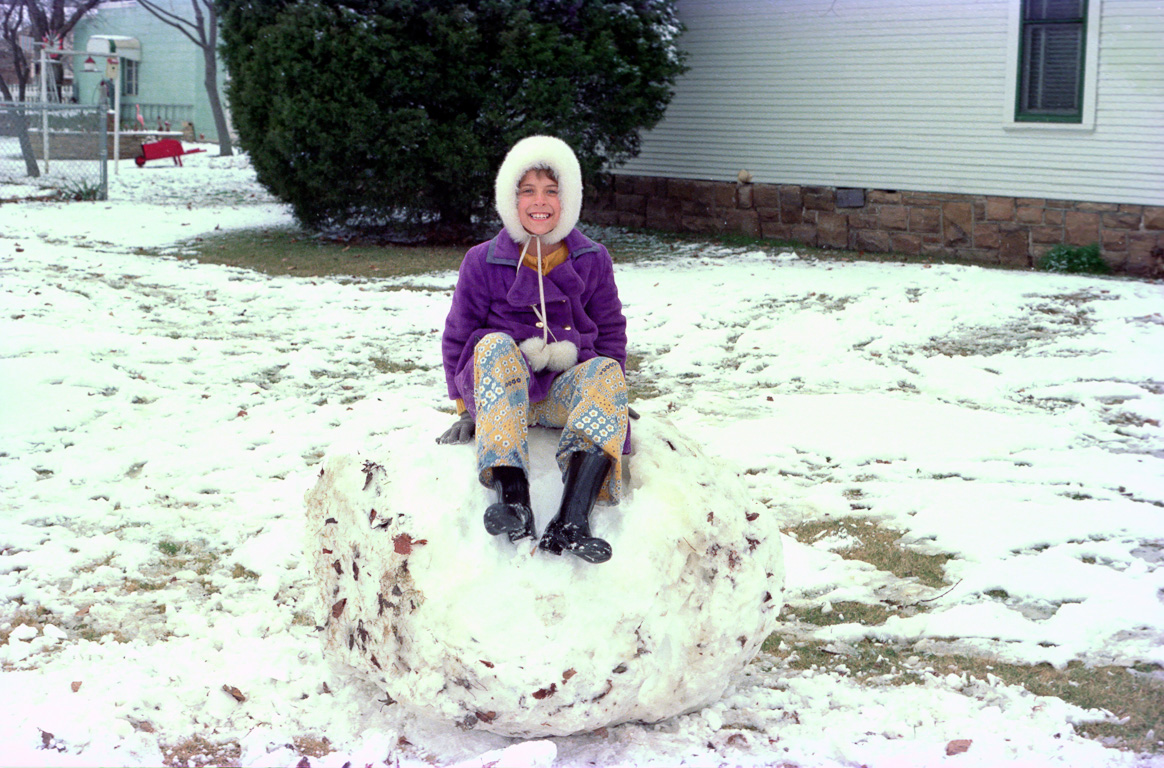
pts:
pixel 879 546
pixel 1051 319
pixel 103 562
pixel 170 548
pixel 186 556
pixel 293 251
pixel 198 751
pixel 384 364
pixel 846 612
pixel 312 746
pixel 639 387
pixel 828 303
pixel 34 617
pixel 296 252
pixel 1133 695
pixel 1126 419
pixel 302 619
pixel 141 585
pixel 242 573
pixel 95 634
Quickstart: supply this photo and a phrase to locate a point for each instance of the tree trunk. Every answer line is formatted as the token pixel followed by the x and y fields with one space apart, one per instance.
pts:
pixel 225 146
pixel 26 150
pixel 18 125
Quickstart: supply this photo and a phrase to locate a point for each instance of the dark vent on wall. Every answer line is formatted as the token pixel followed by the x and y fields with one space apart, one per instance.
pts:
pixel 850 198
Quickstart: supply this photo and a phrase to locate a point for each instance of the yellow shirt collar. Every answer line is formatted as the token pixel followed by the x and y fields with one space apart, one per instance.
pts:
pixel 549 260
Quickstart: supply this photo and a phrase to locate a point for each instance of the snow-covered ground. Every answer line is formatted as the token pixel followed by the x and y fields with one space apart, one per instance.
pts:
pixel 160 421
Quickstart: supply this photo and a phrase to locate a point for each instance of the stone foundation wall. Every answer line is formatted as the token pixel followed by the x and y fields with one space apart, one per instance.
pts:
pixel 975 228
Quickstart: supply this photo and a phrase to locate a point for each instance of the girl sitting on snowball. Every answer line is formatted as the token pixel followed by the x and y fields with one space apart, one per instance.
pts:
pixel 536 335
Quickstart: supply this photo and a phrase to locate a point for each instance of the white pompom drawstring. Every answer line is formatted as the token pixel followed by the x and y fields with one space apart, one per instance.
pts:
pixel 542 353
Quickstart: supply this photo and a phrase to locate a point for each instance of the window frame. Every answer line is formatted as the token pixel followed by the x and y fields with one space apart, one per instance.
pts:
pixel 130 77
pixel 1011 118
pixel 1024 73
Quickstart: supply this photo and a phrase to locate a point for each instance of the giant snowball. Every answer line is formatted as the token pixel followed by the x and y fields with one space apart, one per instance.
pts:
pixel 461 626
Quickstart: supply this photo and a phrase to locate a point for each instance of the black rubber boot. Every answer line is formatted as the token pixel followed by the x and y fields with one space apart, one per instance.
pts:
pixel 512 513
pixel 570 529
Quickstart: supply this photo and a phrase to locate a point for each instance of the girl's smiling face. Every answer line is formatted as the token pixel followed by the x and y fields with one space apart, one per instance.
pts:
pixel 538 207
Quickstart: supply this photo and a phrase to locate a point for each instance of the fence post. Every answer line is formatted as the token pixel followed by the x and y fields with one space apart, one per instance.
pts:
pixel 44 134
pixel 103 154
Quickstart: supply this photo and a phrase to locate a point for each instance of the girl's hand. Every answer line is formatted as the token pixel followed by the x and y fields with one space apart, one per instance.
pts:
pixel 461 432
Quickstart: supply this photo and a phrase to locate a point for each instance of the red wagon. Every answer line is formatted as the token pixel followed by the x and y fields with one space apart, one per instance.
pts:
pixel 156 150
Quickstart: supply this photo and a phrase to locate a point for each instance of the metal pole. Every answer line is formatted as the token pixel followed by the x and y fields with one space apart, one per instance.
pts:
pixel 117 116
pixel 102 115
pixel 44 135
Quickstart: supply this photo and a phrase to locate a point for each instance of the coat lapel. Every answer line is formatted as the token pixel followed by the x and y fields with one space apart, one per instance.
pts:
pixel 524 290
pixel 562 282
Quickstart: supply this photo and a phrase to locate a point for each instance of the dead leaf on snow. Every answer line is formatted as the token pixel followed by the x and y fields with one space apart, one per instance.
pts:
pixel 235 693
pixel 546 692
pixel 404 543
pixel 958 746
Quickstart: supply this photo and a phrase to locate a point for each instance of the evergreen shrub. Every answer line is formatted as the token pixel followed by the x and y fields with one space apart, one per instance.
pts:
pixel 369 112
pixel 1076 259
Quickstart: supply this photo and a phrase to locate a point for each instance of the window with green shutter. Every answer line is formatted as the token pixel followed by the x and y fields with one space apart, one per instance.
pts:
pixel 1052 52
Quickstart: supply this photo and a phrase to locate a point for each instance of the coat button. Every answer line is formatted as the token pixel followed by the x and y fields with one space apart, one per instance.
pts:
pixel 566 328
pixel 539 325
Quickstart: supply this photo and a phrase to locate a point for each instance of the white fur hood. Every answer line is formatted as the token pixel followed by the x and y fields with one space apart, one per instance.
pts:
pixel 539 152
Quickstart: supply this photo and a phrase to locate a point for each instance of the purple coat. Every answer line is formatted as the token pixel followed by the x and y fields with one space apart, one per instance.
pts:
pixel 493 295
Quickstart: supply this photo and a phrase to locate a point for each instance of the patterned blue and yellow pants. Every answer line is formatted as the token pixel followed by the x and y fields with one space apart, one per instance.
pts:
pixel 587 402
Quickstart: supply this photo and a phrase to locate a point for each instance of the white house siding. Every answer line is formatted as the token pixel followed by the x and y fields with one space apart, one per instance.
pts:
pixel 904 95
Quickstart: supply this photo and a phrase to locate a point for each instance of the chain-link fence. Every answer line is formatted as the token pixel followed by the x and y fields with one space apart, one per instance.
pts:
pixel 53 151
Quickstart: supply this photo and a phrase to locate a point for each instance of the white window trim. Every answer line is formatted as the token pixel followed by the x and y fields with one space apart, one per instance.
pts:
pixel 1090 74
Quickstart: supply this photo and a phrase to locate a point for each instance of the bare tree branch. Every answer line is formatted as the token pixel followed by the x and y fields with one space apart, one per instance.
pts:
pixel 53 19
pixel 78 14
pixel 181 23
pixel 203 32
pixel 12 24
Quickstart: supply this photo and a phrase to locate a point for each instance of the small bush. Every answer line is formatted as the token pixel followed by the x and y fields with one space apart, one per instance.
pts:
pixel 79 190
pixel 1075 259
